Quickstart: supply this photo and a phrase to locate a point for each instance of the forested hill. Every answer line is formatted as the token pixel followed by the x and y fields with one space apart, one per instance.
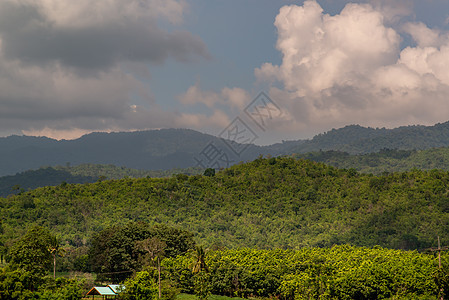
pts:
pixel 356 139
pixel 267 203
pixel 386 160
pixel 84 173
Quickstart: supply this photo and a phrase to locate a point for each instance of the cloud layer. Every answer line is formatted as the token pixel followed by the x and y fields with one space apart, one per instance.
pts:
pixel 71 67
pixel 64 65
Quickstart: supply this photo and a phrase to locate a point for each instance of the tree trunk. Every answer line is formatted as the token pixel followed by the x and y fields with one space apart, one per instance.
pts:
pixel 54 266
pixel 159 271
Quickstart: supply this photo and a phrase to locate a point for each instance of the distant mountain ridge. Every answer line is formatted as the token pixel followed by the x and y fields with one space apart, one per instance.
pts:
pixel 356 139
pixel 181 148
pixel 162 149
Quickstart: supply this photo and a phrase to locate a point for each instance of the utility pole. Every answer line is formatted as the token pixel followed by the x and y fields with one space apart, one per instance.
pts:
pixel 439 249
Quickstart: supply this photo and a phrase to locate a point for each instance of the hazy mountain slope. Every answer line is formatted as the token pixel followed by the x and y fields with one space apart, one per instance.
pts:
pixel 150 150
pixel 182 148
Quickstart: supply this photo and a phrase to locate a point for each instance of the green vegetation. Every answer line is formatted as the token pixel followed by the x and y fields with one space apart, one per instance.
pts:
pixel 340 272
pixel 141 286
pixel 312 211
pixel 385 160
pixel 84 173
pixel 29 261
pixel 184 296
pixel 268 203
pixel 113 172
pixel 356 139
pixel 117 252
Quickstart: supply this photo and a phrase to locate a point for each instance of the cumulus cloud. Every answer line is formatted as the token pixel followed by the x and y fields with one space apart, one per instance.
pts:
pixel 68 66
pixel 349 68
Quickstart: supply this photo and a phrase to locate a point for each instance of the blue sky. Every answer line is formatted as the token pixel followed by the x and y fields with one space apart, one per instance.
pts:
pixel 68 68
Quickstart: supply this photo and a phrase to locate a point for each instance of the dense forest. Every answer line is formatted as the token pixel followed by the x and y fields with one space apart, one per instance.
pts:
pixel 356 139
pixel 267 203
pixel 386 160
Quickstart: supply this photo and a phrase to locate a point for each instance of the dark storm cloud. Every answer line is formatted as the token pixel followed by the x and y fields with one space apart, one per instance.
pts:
pixel 31 36
pixel 47 47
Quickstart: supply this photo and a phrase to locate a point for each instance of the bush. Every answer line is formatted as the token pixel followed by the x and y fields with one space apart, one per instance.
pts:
pixel 140 287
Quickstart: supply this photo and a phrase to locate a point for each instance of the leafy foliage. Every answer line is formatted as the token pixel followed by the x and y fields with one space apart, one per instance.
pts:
pixel 31 253
pixel 268 203
pixel 385 160
pixel 30 260
pixel 339 272
pixel 118 251
pixel 140 287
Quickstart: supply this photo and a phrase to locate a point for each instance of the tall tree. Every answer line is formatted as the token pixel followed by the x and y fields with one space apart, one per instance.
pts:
pixel 55 249
pixel 30 254
pixel 155 249
pixel 201 277
pixel 114 250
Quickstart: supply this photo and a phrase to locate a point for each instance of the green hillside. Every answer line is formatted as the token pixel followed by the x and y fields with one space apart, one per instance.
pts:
pixel 384 161
pixel 268 203
pixel 356 139
pixel 84 173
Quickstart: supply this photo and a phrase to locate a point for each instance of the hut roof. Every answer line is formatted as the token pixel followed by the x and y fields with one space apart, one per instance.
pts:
pixel 102 290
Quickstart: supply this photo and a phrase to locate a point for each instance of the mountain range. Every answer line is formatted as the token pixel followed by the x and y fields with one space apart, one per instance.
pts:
pixel 183 148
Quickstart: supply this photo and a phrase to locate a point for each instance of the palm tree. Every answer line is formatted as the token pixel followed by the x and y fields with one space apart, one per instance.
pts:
pixel 55 249
pixel 199 264
pixel 201 277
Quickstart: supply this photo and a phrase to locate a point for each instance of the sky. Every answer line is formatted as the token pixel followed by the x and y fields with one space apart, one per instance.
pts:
pixel 284 70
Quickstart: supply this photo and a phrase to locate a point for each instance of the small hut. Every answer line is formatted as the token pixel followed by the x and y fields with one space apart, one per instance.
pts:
pixel 106 292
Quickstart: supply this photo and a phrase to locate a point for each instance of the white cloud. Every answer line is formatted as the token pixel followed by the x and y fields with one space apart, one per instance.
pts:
pixel 349 68
pixel 321 51
pixel 424 36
